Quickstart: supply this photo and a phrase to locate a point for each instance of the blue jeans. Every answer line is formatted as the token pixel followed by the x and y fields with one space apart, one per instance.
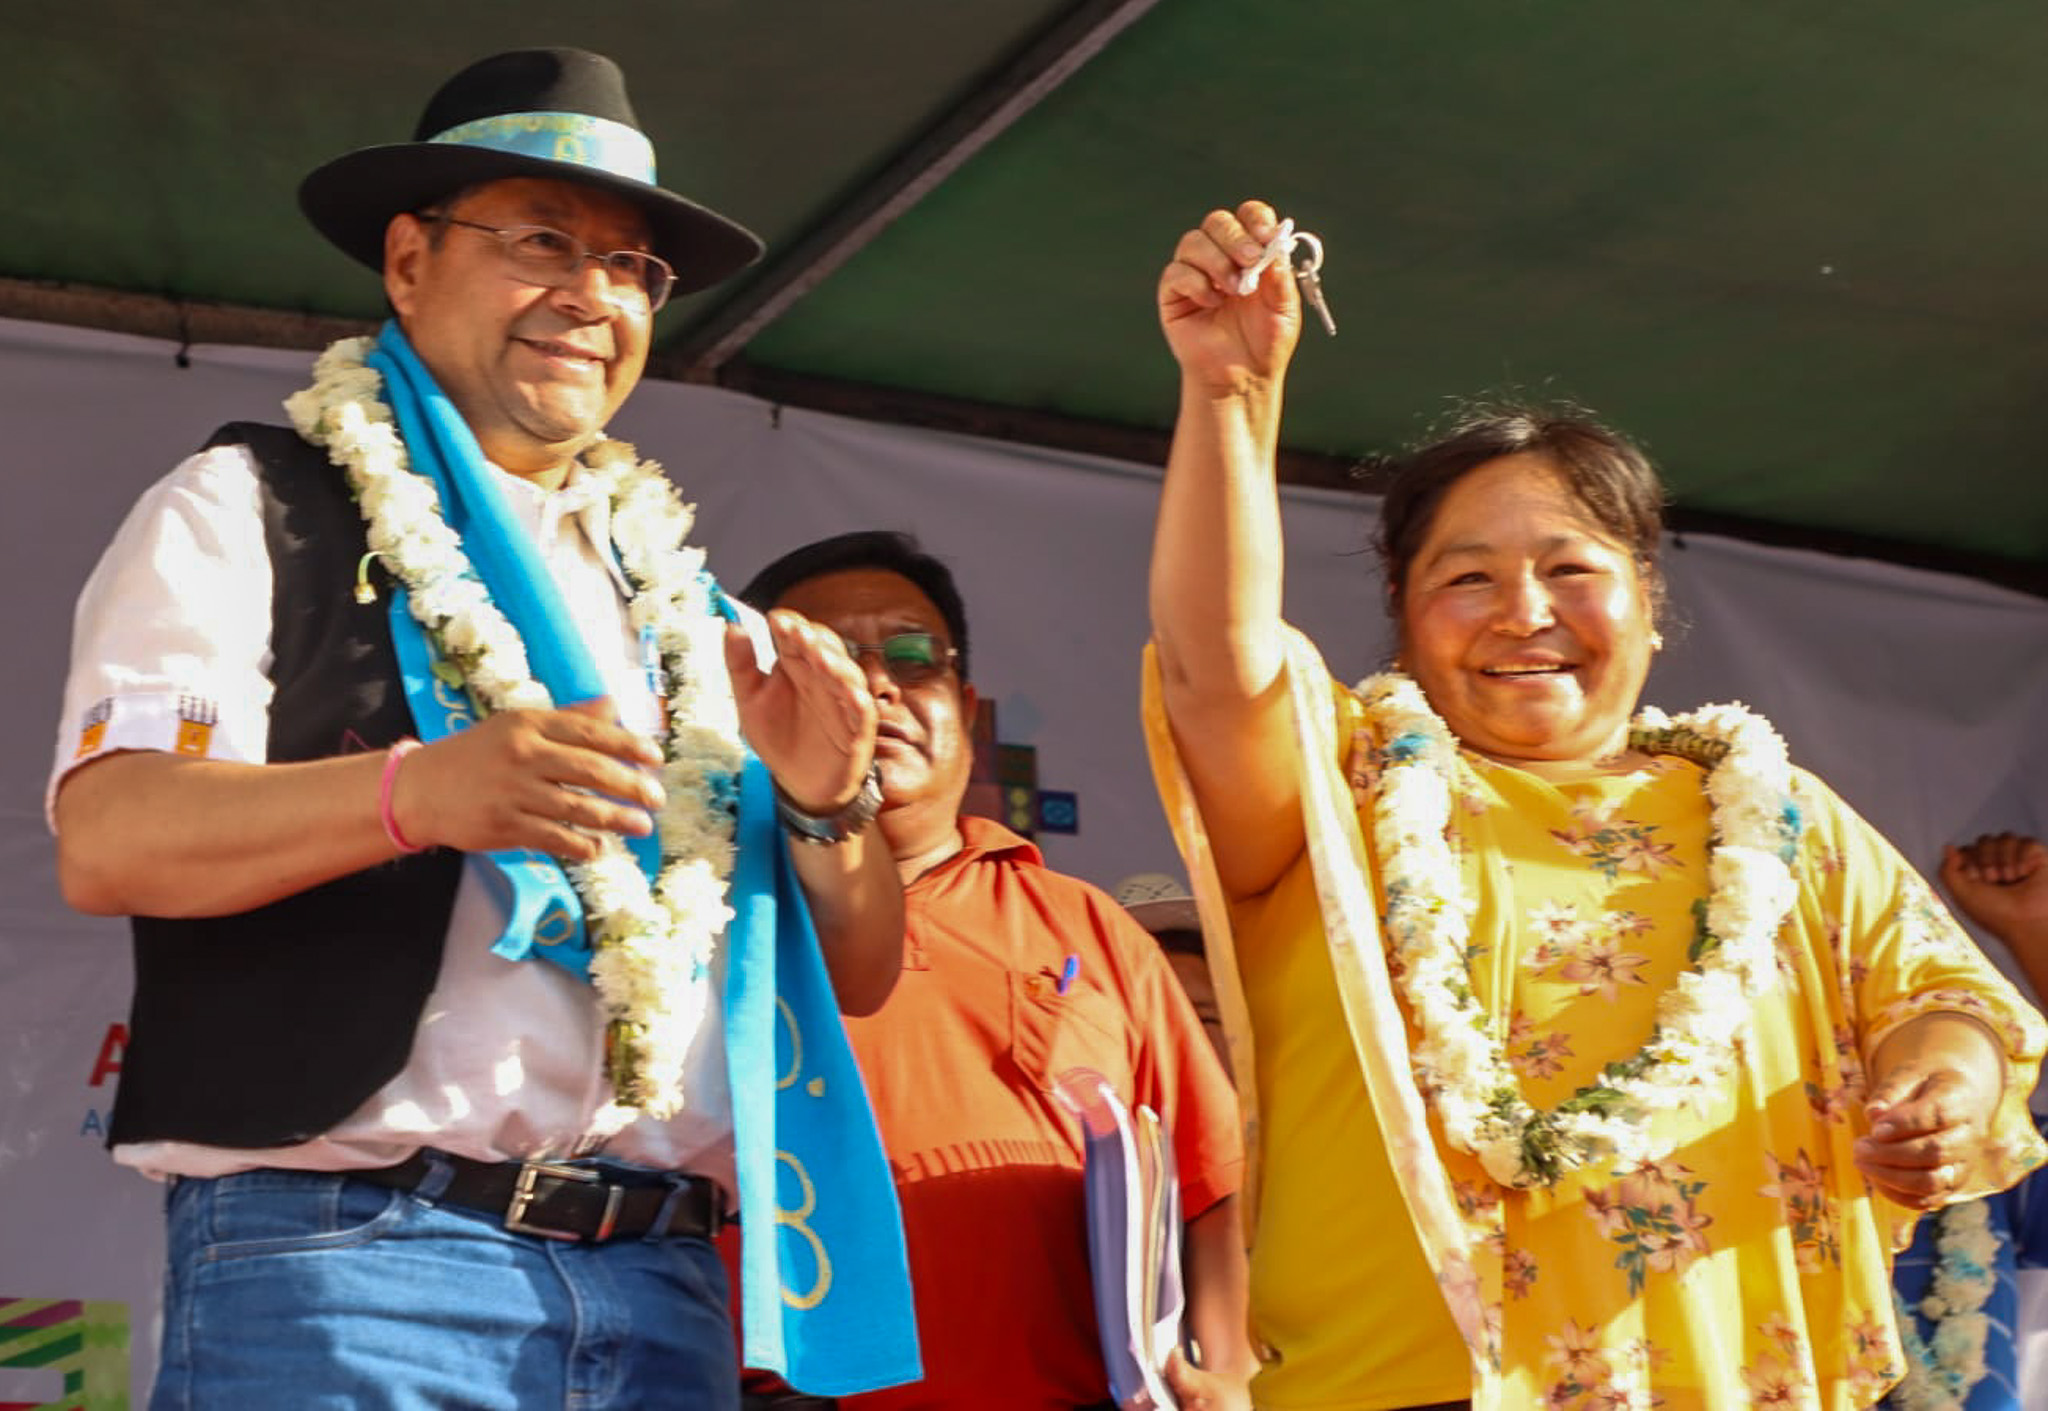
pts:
pixel 290 1289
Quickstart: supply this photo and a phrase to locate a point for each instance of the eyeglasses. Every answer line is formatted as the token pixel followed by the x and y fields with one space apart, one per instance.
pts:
pixel 554 258
pixel 910 658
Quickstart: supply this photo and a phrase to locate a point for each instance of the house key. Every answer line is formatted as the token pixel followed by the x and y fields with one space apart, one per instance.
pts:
pixel 1308 275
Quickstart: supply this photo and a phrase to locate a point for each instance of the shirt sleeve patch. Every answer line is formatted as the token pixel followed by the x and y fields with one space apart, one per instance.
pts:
pixel 170 722
pixel 196 718
pixel 92 731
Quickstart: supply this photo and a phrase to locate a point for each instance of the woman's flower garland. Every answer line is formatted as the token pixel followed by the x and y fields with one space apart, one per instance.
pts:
pixel 1941 1371
pixel 653 944
pixel 1460 1063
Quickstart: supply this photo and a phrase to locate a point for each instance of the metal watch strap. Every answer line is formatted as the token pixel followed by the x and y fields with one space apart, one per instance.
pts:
pixel 833 827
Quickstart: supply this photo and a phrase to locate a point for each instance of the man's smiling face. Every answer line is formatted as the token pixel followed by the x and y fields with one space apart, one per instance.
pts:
pixel 535 371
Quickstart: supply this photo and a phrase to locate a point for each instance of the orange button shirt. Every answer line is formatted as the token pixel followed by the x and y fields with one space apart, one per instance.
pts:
pixel 960 1064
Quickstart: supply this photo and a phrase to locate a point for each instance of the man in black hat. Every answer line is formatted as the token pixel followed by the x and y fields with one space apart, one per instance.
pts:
pixel 432 1038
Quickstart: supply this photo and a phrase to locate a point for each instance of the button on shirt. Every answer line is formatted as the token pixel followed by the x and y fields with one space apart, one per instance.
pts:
pixel 507 1061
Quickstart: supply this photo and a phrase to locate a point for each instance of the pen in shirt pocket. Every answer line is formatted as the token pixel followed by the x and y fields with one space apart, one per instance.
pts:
pixel 1068 970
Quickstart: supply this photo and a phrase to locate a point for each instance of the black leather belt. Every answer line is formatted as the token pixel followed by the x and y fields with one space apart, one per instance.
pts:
pixel 566 1200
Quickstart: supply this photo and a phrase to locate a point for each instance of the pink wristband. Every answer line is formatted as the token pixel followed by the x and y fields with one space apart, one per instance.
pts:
pixel 398 751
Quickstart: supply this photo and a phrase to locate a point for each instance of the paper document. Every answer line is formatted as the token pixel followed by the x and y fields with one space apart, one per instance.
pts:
pixel 1134 1236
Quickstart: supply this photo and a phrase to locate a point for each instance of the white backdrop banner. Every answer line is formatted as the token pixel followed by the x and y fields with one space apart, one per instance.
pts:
pixel 1918 696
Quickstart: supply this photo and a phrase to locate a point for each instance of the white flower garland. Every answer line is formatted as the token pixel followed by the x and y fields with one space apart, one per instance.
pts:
pixel 1460 1064
pixel 1942 1371
pixel 653 945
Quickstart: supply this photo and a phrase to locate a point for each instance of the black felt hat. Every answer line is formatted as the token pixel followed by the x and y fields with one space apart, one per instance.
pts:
pixel 561 114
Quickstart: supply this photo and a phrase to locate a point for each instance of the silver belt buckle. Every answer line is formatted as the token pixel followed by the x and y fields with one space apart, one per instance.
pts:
pixel 524 1194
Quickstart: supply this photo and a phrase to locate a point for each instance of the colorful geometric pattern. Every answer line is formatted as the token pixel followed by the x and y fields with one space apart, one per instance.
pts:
pixel 1004 785
pixel 1059 811
pixel 86 1344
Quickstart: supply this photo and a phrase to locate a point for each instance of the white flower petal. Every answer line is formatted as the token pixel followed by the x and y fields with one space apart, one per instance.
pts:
pixel 655 944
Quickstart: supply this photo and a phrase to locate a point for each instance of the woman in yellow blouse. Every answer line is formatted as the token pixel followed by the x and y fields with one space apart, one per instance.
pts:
pixel 1590 1058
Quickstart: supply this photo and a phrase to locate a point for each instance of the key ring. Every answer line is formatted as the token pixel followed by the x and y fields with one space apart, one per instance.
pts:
pixel 1313 265
pixel 1307 273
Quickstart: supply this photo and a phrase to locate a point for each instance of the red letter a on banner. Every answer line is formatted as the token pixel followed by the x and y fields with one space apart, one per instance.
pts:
pixel 111 1048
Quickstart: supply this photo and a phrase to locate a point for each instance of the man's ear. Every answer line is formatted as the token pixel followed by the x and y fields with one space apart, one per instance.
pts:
pixel 405 253
pixel 970 707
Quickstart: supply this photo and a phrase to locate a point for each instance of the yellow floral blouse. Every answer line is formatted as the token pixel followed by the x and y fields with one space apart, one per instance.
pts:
pixel 1748 1267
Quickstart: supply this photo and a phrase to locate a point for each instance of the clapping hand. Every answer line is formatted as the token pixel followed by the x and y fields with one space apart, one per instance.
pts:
pixel 810 716
pixel 2000 881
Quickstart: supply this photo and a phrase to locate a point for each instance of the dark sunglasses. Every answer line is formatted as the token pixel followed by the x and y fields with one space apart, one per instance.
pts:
pixel 910 658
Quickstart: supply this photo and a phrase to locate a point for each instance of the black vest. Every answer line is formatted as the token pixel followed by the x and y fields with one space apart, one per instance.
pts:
pixel 271 1026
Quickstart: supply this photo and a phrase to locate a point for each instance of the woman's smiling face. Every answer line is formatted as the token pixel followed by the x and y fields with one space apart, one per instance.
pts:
pixel 1528 625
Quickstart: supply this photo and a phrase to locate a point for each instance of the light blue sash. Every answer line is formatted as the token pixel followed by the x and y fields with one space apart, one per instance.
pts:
pixel 826 1301
pixel 543 916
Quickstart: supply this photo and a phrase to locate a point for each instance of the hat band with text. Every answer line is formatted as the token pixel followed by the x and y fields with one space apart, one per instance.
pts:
pixel 577 139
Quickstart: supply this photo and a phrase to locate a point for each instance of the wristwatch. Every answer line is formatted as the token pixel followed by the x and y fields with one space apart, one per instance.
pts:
pixel 833 827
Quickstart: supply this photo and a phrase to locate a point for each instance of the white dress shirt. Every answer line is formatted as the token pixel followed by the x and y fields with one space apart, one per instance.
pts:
pixel 507 1061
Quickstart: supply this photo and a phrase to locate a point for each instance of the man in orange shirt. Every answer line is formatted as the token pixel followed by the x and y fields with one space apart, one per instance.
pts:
pixel 1012 974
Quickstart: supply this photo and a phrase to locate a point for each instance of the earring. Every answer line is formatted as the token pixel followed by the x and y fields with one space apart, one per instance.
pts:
pixel 1656 641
